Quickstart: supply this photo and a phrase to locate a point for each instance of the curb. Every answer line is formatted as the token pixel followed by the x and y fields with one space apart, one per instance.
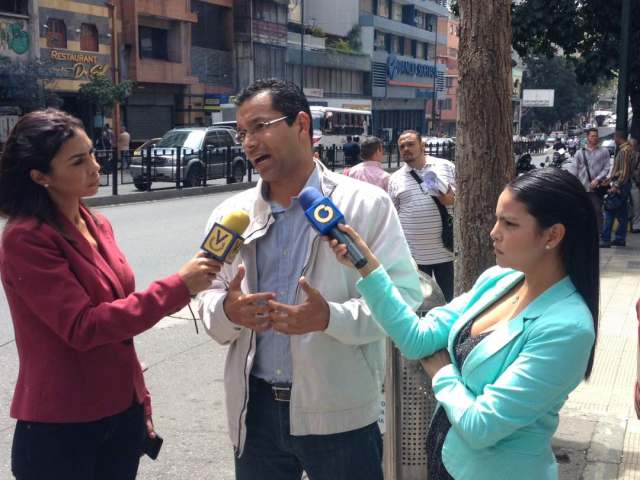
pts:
pixel 151 196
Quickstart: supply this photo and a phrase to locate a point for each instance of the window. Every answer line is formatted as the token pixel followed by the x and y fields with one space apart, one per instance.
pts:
pixel 269 11
pixel 383 8
pixel 14 6
pixel 444 104
pixel 448 82
pixel 421 20
pixel 396 12
pixel 419 50
pixel 88 37
pixel 378 43
pixel 153 43
pixel 395 44
pixel 56 33
pixel 366 6
pixel 414 48
pixel 202 35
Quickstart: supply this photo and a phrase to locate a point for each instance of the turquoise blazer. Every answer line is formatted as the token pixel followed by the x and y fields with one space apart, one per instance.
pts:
pixel 503 403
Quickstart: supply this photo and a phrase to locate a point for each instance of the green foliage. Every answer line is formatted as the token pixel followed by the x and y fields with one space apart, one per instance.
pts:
pixel 316 32
pixel 587 29
pixel 353 38
pixel 23 83
pixel 101 92
pixel 351 44
pixel 571 98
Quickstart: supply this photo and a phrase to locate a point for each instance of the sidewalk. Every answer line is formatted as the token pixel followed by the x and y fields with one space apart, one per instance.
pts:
pixel 599 434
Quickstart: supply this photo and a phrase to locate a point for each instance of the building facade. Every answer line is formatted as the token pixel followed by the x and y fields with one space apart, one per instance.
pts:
pixel 443 123
pixel 75 38
pixel 19 30
pixel 337 72
pixel 401 39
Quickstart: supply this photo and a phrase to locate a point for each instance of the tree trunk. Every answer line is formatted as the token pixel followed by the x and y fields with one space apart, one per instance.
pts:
pixel 484 158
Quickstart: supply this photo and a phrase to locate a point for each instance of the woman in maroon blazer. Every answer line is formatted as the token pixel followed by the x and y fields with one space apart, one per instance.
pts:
pixel 80 398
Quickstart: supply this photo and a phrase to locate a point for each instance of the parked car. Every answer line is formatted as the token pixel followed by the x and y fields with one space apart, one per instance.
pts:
pixel 149 143
pixel 200 149
pixel 232 124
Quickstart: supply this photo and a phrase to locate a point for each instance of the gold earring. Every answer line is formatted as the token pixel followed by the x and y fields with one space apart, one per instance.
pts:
pixel 547 247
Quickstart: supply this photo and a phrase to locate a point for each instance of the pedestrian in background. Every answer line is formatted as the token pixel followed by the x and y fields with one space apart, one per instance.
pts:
pixel 351 151
pixel 124 139
pixel 414 189
pixel 370 169
pixel 305 363
pixel 635 186
pixel 504 356
pixel 617 198
pixel 591 165
pixel 80 400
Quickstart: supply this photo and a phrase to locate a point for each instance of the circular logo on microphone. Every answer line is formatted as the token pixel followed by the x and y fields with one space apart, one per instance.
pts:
pixel 323 213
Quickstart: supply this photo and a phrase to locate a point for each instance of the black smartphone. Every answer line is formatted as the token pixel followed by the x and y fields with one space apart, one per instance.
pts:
pixel 151 446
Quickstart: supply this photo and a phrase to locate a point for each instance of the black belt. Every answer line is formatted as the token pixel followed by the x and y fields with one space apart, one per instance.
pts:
pixel 280 392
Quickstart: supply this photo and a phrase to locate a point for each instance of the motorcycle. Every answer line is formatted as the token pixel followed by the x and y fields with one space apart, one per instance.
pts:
pixel 560 156
pixel 523 164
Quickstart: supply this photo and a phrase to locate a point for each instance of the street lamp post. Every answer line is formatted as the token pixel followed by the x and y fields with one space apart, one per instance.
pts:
pixel 116 80
pixel 623 76
pixel 433 92
pixel 302 45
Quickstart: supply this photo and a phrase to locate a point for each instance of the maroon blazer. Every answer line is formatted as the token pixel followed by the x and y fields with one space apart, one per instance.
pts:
pixel 74 312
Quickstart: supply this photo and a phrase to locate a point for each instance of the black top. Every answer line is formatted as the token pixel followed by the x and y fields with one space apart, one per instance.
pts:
pixel 440 424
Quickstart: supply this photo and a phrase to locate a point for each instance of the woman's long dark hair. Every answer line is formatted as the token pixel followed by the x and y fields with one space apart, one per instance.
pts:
pixel 554 196
pixel 32 144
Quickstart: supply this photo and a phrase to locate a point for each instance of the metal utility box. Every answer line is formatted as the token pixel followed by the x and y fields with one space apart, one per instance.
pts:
pixel 409 403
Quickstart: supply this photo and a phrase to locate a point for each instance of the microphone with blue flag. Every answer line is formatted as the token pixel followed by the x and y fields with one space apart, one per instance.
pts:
pixel 325 217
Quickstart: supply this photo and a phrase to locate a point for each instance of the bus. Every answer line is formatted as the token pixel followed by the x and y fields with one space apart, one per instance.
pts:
pixel 332 125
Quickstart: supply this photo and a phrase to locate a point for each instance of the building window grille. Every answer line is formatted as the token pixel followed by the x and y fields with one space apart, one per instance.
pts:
pixel 56 33
pixel 19 7
pixel 88 37
pixel 153 43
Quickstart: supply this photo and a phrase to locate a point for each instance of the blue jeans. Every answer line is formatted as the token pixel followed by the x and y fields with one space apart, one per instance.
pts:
pixel 271 453
pixel 621 214
pixel 106 449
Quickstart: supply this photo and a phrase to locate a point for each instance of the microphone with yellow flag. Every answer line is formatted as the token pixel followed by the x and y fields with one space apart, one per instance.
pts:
pixel 225 238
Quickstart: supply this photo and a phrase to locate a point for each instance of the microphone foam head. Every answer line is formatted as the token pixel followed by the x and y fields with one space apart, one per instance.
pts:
pixel 238 221
pixel 308 196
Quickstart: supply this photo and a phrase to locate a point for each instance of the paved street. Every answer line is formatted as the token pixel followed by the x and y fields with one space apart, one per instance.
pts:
pixel 599 437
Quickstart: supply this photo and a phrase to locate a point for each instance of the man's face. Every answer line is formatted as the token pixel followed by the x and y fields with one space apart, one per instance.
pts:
pixel 273 150
pixel 411 149
pixel 592 139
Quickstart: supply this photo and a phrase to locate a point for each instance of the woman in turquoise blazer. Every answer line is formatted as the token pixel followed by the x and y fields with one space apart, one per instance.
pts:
pixel 504 356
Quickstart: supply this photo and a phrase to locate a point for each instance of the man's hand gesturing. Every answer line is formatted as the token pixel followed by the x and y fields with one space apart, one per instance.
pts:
pixel 248 310
pixel 310 316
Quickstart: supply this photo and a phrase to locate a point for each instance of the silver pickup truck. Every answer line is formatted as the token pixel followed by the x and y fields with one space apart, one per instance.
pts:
pixel 199 149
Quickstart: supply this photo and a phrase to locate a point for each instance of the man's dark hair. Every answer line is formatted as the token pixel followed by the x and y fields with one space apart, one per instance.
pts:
pixel 349 138
pixel 621 134
pixel 369 147
pixel 592 129
pixel 415 133
pixel 286 97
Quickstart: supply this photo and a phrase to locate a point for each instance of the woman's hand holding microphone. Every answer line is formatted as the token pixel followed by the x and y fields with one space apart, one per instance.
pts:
pixel 199 272
pixel 340 250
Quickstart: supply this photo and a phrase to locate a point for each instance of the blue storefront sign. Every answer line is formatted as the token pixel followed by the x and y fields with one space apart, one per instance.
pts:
pixel 397 66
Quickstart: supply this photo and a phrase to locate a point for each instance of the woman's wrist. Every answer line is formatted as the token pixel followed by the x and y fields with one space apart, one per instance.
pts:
pixel 371 265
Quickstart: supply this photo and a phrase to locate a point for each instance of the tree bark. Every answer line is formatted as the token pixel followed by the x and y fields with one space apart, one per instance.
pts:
pixel 484 151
